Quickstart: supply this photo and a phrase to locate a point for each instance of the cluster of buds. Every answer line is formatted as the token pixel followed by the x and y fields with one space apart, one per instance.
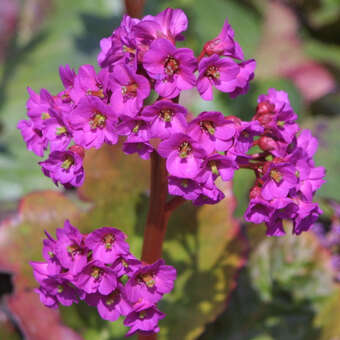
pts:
pixel 99 269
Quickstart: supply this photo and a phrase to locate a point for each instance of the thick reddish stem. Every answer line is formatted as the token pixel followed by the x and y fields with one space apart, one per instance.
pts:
pixel 157 220
pixel 134 8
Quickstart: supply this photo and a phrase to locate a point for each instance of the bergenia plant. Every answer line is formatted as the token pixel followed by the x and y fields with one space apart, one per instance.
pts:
pixel 190 153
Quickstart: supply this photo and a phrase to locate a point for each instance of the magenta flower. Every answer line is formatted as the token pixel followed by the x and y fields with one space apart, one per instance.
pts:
pixel 284 209
pixel 150 282
pixel 245 75
pixel 281 122
pixel 135 145
pixel 246 132
pixel 55 131
pixel 70 249
pixel 184 187
pixel 33 137
pixel 49 254
pixel 53 289
pixel 308 214
pixel 258 211
pixel 184 155
pixel 38 106
pixel 307 143
pixel 310 178
pixel 107 244
pixel 217 165
pixel 92 123
pixel 120 47
pixel 277 98
pixel 55 292
pixel 143 319
pixel 212 131
pixel 166 118
pixel 224 44
pixel 172 68
pixel 65 167
pixel 126 265
pixel 128 90
pixel 216 72
pixel 96 277
pixel 88 83
pixel 137 127
pixel 67 76
pixel 168 24
pixel 111 307
pixel 278 180
pixel 209 194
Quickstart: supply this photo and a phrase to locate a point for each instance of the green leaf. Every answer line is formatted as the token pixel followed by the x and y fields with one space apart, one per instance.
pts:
pixel 278 296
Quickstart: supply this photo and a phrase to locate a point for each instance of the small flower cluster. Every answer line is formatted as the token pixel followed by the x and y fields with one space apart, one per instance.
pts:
pixel 140 58
pixel 286 176
pixel 99 269
pixel 97 108
pixel 328 233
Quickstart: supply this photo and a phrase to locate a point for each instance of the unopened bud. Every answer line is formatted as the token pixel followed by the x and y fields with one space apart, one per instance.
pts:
pixel 78 150
pixel 266 143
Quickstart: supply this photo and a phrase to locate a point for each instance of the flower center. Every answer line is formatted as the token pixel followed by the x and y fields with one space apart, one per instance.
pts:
pixel 129 49
pixel 245 134
pixel 66 97
pixel 276 175
pixel 137 126
pixel 60 130
pixel 213 167
pixel 184 183
pixel 45 115
pixel 73 250
pixel 96 273
pixel 171 66
pixel 148 279
pixel 184 149
pixel 111 298
pixel 212 72
pixel 108 240
pixel 129 91
pixel 38 132
pixel 67 163
pixel 207 126
pixel 97 121
pixel 142 314
pixel 60 289
pixel 100 94
pixel 166 115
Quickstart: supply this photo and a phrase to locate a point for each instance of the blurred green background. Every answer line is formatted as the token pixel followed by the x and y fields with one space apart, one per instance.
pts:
pixel 286 289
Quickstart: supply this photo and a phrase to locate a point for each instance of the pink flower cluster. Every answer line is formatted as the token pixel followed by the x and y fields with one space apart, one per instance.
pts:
pixel 140 57
pixel 99 107
pixel 286 176
pixel 99 269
